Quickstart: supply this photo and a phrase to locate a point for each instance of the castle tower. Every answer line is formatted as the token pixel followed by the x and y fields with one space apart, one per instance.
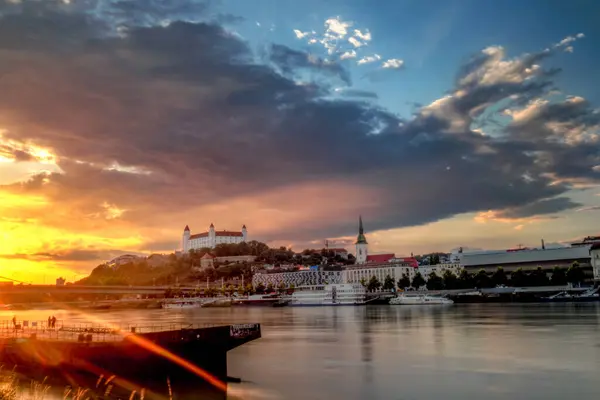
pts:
pixel 185 240
pixel 245 233
pixel 212 237
pixel 361 244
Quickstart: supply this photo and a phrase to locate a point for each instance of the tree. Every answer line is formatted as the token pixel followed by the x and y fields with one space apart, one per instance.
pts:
pixel 434 282
pixel 260 288
pixel 418 281
pixel 248 290
pixel 363 282
pixel 403 282
pixel 559 277
pixel 282 287
pixel 499 277
pixel 482 279
pixel 388 283
pixel 575 274
pixel 373 284
pixel 270 288
pixel 465 280
pixel 518 278
pixel 538 277
pixel 450 280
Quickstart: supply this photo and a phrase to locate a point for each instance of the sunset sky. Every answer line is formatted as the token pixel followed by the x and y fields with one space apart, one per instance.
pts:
pixel 443 123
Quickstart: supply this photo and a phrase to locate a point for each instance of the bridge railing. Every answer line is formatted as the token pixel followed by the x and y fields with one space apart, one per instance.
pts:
pixel 60 331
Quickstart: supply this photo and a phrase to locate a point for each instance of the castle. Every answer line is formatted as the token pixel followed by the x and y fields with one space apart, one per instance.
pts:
pixel 211 238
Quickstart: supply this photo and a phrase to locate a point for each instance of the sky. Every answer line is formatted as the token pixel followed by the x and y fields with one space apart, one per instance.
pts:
pixel 444 124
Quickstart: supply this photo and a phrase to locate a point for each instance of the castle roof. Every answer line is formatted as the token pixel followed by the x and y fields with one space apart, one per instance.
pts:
pixel 187 229
pixel 380 258
pixel 217 233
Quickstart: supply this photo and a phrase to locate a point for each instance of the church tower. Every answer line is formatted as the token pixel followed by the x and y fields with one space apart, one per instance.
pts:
pixel 361 244
pixel 185 240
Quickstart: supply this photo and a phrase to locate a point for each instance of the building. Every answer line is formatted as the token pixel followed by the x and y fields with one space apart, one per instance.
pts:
pixel 362 247
pixel 339 252
pixel 380 258
pixel 356 274
pixel 513 259
pixel 595 260
pixel 439 269
pixel 207 261
pixel 211 238
pixel 60 281
pixel 298 278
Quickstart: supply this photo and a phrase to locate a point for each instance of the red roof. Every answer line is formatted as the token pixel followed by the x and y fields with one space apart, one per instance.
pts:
pixel 187 228
pixel 199 235
pixel 228 233
pixel 380 258
pixel 218 233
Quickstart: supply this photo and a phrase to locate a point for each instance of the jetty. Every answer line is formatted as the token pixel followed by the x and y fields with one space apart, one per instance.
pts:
pixel 138 354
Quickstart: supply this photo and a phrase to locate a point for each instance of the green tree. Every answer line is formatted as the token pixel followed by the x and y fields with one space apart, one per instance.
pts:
pixel 575 274
pixel 450 280
pixel 282 287
pixel 363 282
pixel 517 277
pixel 373 284
pixel 434 282
pixel 388 283
pixel 559 277
pixel 270 288
pixel 499 277
pixel 418 281
pixel 403 282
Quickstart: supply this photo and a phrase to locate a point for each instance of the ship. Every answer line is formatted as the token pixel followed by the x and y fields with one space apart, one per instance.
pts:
pixel 419 299
pixel 139 355
pixel 329 295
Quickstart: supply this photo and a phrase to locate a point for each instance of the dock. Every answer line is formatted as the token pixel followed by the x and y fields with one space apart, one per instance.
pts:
pixel 134 353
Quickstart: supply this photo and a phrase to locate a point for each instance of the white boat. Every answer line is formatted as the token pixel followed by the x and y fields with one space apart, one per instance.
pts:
pixel 192 302
pixel 329 295
pixel 419 299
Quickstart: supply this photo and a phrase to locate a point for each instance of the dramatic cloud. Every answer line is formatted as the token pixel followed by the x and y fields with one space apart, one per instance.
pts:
pixel 154 123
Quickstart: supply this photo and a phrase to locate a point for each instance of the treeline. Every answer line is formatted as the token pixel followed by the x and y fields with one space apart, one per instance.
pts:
pixel 482 279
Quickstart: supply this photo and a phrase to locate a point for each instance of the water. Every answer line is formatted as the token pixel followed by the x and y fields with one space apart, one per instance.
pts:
pixel 496 351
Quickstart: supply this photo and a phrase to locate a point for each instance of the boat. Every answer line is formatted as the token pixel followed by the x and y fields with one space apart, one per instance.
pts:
pixel 329 295
pixel 258 300
pixel 590 295
pixel 142 355
pixel 419 299
pixel 191 302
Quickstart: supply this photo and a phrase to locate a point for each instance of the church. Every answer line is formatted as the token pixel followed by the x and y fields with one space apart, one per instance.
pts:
pixel 211 238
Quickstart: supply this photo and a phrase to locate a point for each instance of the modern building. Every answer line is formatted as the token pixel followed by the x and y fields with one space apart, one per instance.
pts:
pixel 356 274
pixel 513 259
pixel 211 238
pixel 595 260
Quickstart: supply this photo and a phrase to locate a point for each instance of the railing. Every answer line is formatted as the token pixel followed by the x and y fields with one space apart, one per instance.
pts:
pixel 91 332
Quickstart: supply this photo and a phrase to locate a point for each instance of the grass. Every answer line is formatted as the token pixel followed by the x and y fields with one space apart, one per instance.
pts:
pixel 12 389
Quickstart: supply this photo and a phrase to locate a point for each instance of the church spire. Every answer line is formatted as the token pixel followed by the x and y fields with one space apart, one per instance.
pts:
pixel 360 239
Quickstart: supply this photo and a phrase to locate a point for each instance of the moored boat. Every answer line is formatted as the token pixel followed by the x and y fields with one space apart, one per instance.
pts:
pixel 419 299
pixel 329 295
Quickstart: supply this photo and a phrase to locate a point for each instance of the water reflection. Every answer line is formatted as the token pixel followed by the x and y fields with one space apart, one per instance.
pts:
pixel 529 351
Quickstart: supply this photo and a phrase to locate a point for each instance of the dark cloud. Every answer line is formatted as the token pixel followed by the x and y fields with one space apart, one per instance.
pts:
pixel 540 207
pixel 290 62
pixel 191 118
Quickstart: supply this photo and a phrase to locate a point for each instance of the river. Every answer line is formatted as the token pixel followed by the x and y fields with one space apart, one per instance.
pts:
pixel 491 351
